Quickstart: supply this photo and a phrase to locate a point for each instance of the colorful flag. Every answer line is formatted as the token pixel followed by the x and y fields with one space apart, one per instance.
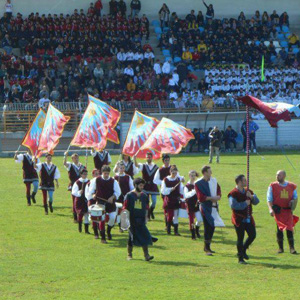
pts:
pixel 273 115
pixel 92 132
pixel 140 129
pixel 168 137
pixel 53 129
pixel 263 68
pixel 281 106
pixel 32 137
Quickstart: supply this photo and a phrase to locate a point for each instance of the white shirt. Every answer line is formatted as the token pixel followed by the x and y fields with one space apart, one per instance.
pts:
pixel 121 56
pixel 39 167
pixel 166 69
pixel 8 7
pixel 20 158
pixel 129 72
pixel 188 194
pixel 157 180
pixel 42 101
pixel 135 169
pixel 93 187
pixel 167 191
pixel 69 164
pixel 75 188
pixel 149 55
pixel 157 68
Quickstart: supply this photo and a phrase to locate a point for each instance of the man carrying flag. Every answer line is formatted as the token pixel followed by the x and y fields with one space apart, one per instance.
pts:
pixel 209 193
pixel 48 174
pixel 74 170
pixel 282 200
pixel 30 175
pixel 148 170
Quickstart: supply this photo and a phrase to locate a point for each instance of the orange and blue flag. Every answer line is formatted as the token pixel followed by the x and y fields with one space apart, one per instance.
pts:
pixel 109 117
pixel 53 128
pixel 91 132
pixel 168 137
pixel 32 137
pixel 140 129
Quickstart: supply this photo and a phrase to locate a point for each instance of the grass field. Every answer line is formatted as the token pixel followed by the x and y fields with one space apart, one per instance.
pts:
pixel 44 257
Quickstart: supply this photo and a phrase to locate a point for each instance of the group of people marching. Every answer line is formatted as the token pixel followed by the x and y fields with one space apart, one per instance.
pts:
pixel 198 198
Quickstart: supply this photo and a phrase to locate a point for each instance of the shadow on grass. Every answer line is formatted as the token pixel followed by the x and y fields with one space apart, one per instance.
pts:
pixel 177 263
pixel 274 266
pixel 234 256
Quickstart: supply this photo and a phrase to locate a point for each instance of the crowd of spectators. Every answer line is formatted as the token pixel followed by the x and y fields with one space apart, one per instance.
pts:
pixel 201 40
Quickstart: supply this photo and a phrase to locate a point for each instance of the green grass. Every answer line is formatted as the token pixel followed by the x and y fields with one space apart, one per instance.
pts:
pixel 44 257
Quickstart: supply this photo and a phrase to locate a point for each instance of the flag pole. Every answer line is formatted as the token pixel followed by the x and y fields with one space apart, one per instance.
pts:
pixel 248 145
pixel 86 158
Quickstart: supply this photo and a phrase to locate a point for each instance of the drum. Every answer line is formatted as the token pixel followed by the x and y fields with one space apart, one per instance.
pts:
pixel 96 212
pixel 125 221
pixel 183 211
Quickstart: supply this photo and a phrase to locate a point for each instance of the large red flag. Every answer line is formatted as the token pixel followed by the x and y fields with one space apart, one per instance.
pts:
pixel 32 137
pixel 271 114
pixel 53 129
pixel 91 132
pixel 109 117
pixel 140 129
pixel 168 137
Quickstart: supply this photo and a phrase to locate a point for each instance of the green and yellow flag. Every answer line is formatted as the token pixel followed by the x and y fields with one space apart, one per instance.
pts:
pixel 263 68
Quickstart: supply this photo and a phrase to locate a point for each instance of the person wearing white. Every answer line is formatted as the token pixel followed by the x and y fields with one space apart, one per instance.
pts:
pixel 43 102
pixel 166 68
pixel 101 158
pixel 157 68
pixel 129 71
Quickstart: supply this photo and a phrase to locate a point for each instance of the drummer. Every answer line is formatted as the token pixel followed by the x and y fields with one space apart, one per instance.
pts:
pixel 107 191
pixel 126 185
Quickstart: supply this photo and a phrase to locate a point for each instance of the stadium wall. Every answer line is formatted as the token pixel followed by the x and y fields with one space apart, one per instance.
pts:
pixel 287 134
pixel 223 8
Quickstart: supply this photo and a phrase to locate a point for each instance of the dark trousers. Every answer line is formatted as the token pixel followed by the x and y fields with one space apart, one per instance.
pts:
pixel 289 234
pixel 251 141
pixel 208 230
pixel 202 143
pixel 228 142
pixel 240 231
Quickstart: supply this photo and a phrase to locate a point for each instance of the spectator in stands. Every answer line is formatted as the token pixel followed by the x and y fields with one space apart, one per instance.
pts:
pixel 193 142
pixel 293 40
pixel 8 9
pixel 7 44
pixel 113 8
pixel 54 95
pixel 131 87
pixel 44 92
pixel 284 20
pixel 210 13
pixel 215 143
pixel 230 136
pixel 43 102
pixel 179 103
pixel 122 8
pixel 98 7
pixel 253 127
pixel 274 18
pixel 164 15
pixel 187 56
pixel 135 6
pixel 200 18
pixel 166 68
pixel 202 141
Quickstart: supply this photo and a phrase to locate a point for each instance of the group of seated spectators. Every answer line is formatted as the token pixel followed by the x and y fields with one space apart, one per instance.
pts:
pixel 201 40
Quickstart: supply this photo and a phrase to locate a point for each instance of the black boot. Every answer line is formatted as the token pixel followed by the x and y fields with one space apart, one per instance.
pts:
pixel 109 232
pixel 129 252
pixel 28 200
pixel 46 209
pixel 207 249
pixel 151 212
pixel 241 260
pixel 148 215
pixel 120 229
pixel 198 232
pixel 168 228
pixel 193 234
pixel 146 254
pixel 33 197
pixel 96 234
pixel 176 230
pixel 75 217
pixel 80 226
pixel 51 207
pixel 280 246
pixel 103 239
pixel 291 243
pixel 86 229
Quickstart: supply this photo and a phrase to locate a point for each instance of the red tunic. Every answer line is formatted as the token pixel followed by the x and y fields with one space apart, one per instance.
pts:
pixel 47 177
pixel 164 172
pixel 81 206
pixel 104 190
pixel 29 172
pixel 124 186
pixel 148 176
pixel 129 169
pixel 239 215
pixel 171 201
pixel 282 195
pixel 192 204
pixel 101 160
pixel 74 174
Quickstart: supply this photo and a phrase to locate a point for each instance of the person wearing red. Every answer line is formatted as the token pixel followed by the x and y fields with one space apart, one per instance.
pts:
pixel 147 95
pixel 74 169
pixel 282 200
pixel 241 200
pixel 192 205
pixel 172 189
pixel 101 158
pixel 81 206
pixel 208 193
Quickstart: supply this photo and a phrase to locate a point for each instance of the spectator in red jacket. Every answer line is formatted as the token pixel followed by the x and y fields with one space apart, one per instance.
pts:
pixel 147 95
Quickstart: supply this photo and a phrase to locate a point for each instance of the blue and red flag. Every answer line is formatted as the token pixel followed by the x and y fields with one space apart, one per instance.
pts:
pixel 91 132
pixel 32 137
pixel 53 128
pixel 139 131
pixel 109 117
pixel 168 137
